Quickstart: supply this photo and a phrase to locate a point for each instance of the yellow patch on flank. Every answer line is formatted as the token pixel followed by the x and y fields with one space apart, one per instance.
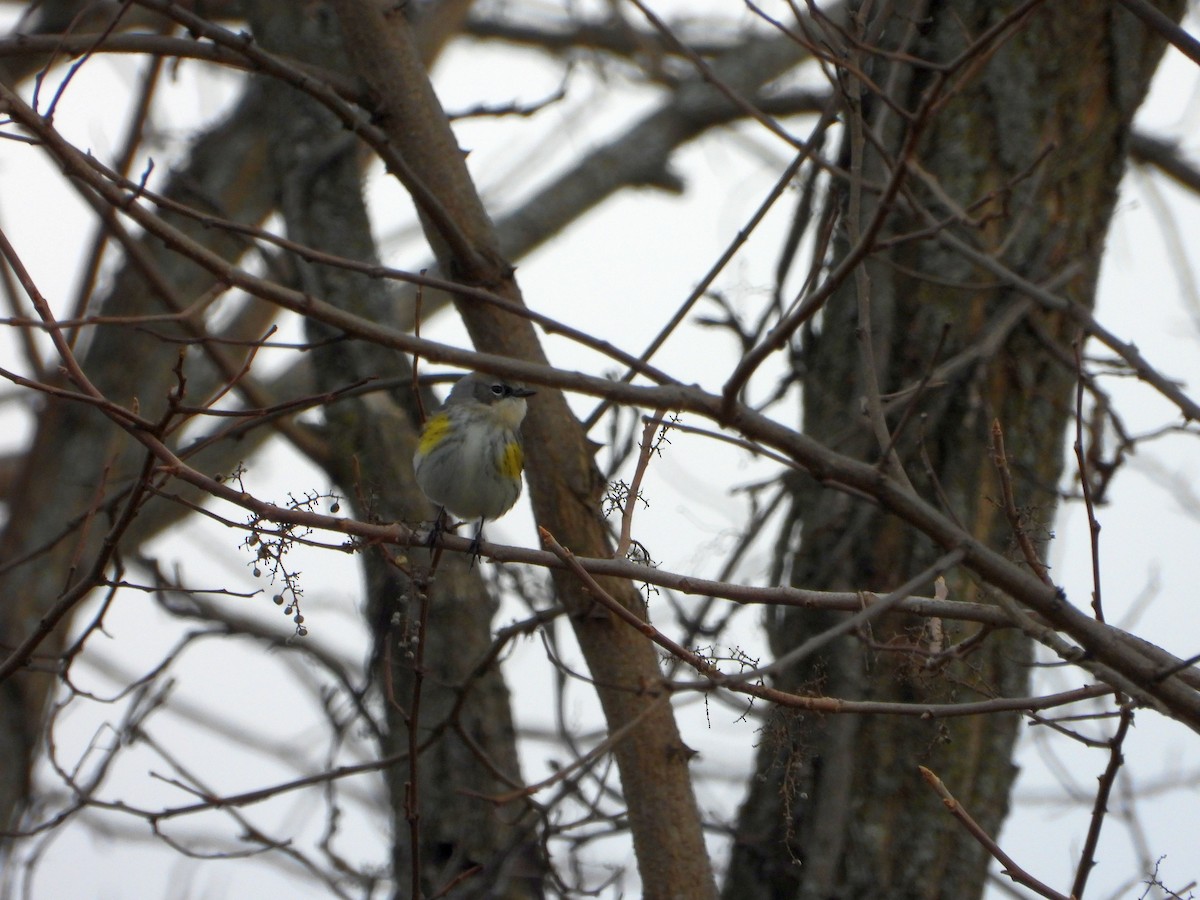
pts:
pixel 435 430
pixel 511 460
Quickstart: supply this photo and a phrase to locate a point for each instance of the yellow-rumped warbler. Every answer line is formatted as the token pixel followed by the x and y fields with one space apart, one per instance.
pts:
pixel 469 456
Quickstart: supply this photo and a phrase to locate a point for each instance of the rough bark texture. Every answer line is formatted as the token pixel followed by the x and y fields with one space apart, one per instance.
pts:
pixel 1038 129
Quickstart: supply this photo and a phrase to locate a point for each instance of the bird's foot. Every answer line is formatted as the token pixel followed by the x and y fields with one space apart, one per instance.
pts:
pixel 441 525
pixel 474 548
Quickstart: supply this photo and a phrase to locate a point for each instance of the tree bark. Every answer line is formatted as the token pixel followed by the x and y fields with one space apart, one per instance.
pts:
pixel 1026 146
pixel 465 725
pixel 563 479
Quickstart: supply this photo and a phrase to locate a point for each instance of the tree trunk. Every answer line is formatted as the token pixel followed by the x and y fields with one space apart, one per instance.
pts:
pixel 465 725
pixel 564 483
pixel 1026 144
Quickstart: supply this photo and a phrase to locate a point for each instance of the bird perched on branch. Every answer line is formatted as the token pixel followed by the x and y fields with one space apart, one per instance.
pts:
pixel 469 457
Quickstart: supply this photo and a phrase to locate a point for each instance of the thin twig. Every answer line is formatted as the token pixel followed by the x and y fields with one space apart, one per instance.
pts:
pixel 582 762
pixel 412 793
pixel 1000 459
pixel 648 446
pixel 707 73
pixel 865 332
pixel 1100 808
pixel 715 678
pixel 1085 483
pixel 1011 869
pixel 130 145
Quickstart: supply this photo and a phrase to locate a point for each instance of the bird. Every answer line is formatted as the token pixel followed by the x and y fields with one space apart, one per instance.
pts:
pixel 469 456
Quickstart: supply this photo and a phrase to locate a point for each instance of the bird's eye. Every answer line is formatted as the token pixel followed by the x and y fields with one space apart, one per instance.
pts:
pixel 498 389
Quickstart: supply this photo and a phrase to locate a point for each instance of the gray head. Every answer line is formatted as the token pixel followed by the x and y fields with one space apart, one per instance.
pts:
pixel 479 387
